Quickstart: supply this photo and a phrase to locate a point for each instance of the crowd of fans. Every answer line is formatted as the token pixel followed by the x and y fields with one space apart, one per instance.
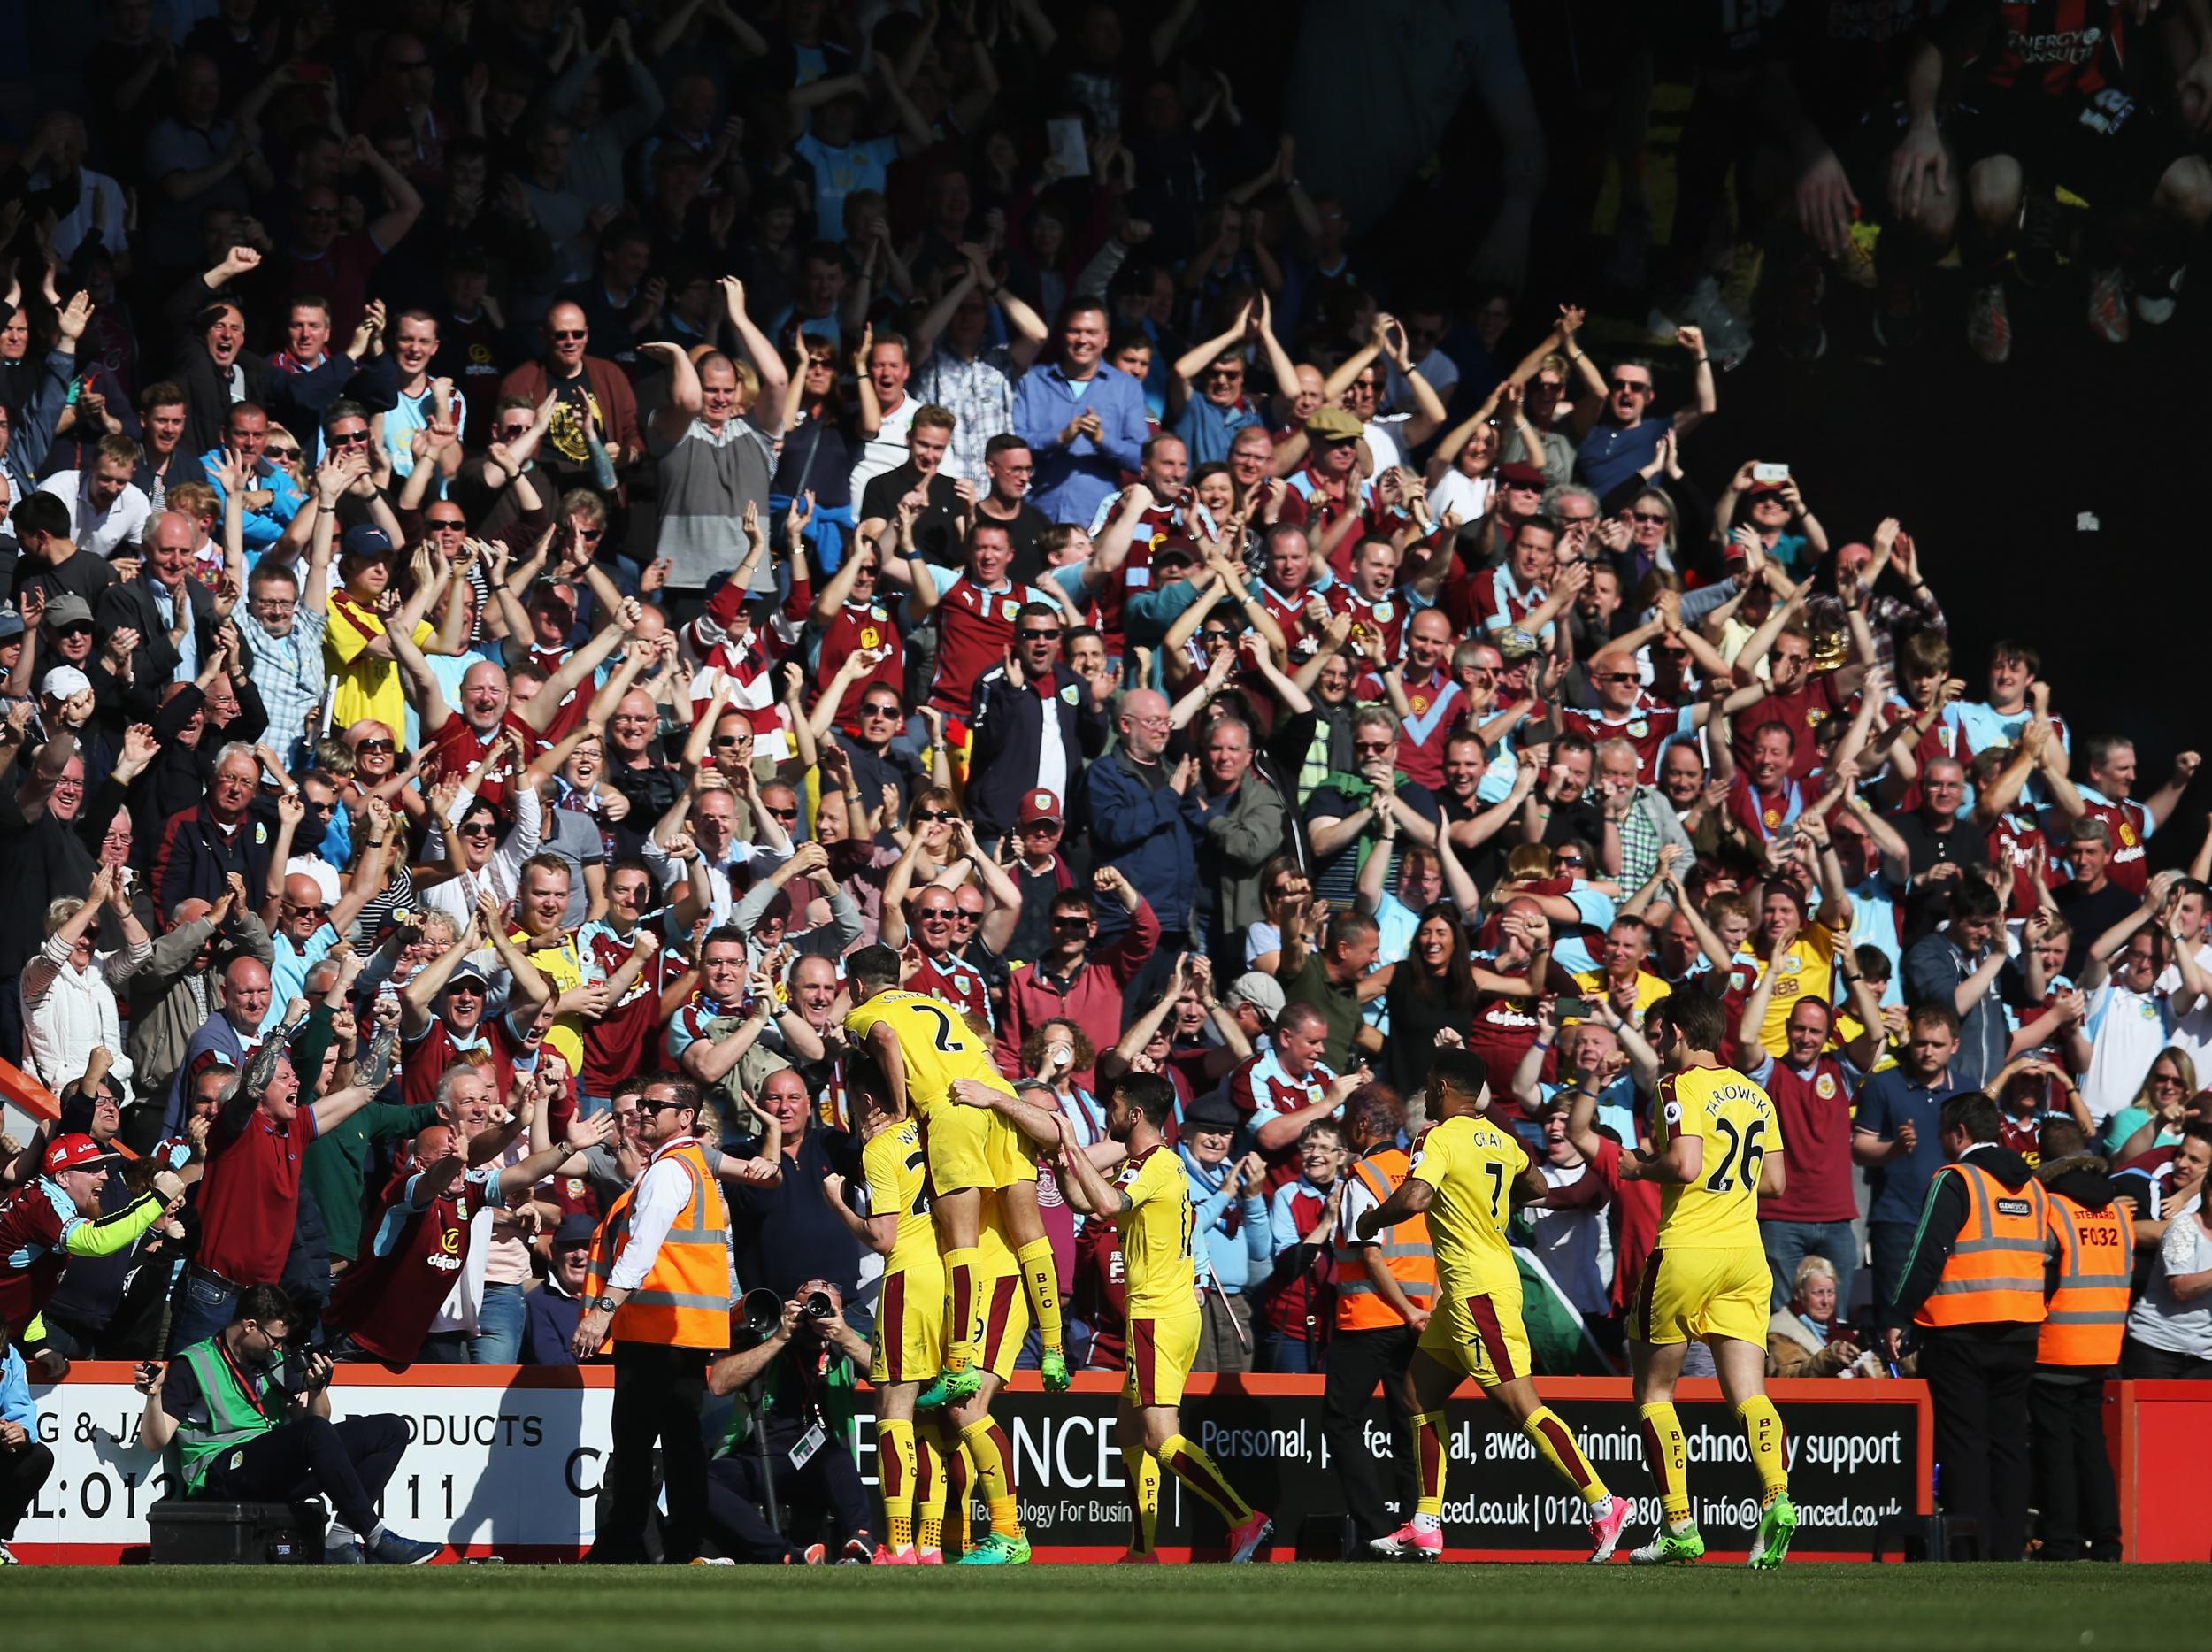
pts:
pixel 535 530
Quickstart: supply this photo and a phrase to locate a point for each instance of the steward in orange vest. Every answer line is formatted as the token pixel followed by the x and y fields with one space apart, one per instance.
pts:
pixel 660 1285
pixel 2085 1321
pixel 1374 1341
pixel 1974 1284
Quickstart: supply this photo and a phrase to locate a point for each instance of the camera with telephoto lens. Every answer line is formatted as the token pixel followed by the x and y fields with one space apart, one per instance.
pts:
pixel 759 1313
pixel 818 1306
pixel 297 1375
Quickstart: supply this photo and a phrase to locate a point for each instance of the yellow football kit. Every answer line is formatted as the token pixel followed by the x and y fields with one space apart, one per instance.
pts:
pixel 1163 1279
pixel 1477 1326
pixel 1708 1274
pixel 968 1147
pixel 910 1315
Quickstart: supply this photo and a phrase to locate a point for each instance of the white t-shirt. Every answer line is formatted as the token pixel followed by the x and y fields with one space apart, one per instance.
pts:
pixel 886 450
pixel 1468 495
pixel 2125 1030
pixel 2192 1032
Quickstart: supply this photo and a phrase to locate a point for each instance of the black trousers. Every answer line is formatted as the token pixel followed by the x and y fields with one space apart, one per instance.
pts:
pixel 1979 1385
pixel 1357 1360
pixel 2074 1493
pixel 657 1394
pixel 2140 1362
pixel 828 1486
pixel 23 1469
pixel 348 1462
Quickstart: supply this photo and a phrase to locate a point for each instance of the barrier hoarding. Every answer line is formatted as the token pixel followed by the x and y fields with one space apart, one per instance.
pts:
pixel 508 1461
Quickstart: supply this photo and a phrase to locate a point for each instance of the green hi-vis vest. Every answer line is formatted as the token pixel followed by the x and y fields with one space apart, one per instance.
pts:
pixel 233 1418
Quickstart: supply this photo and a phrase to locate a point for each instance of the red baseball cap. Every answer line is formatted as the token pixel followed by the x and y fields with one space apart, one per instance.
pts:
pixel 76 1152
pixel 1037 805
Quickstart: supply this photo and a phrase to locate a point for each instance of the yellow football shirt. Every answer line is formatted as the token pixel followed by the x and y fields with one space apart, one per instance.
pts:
pixel 1808 969
pixel 1155 1236
pixel 898 1179
pixel 1472 1165
pixel 935 1042
pixel 563 967
pixel 1719 1209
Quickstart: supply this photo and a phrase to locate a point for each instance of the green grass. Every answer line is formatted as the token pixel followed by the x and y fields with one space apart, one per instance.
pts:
pixel 1071 1609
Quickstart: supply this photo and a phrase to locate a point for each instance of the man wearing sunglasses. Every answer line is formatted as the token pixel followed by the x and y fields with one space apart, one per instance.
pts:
pixel 593 399
pixel 1617 433
pixel 1035 724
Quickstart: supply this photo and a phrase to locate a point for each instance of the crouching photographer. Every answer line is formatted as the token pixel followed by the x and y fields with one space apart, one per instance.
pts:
pixel 790 1443
pixel 249 1413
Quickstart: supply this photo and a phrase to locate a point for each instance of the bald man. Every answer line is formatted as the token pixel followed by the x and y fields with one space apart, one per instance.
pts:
pixel 153 603
pixel 1144 817
pixel 304 923
pixel 231 1034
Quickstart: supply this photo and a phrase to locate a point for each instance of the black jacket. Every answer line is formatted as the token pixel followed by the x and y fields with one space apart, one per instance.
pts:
pixel 130 603
pixel 1946 1211
pixel 1008 728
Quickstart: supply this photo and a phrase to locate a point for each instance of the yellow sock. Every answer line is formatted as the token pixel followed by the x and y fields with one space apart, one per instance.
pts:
pixel 1552 1437
pixel 1143 1469
pixel 1428 1462
pixel 962 1269
pixel 895 1473
pixel 995 1473
pixel 1041 1280
pixel 1769 1445
pixel 1196 1470
pixel 929 1482
pixel 1667 1456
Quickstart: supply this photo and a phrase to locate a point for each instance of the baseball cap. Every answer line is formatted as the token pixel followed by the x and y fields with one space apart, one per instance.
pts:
pixel 64 682
pixel 76 1152
pixel 10 623
pixel 1036 806
pixel 468 970
pixel 1332 424
pixel 1520 474
pixel 1259 989
pixel 67 609
pixel 576 1228
pixel 1174 553
pixel 1513 644
pixel 366 542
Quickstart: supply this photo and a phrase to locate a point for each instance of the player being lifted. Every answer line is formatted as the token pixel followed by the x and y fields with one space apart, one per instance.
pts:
pixel 1716 1147
pixel 983 1200
pixel 1467 1177
pixel 1150 1204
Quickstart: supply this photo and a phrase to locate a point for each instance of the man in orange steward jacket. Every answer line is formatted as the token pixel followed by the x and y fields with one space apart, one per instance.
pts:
pixel 2084 1319
pixel 660 1285
pixel 1974 1285
pixel 1385 1288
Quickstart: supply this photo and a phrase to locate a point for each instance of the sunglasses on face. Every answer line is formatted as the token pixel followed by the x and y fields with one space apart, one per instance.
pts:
pixel 1040 828
pixel 1632 386
pixel 784 814
pixel 1613 676
pixel 513 433
pixel 730 739
pixel 938 915
pixel 570 335
pixel 879 709
pixel 348 438
pixel 933 814
pixel 1570 863
pixel 480 828
pixel 446 524
pixel 374 745
pixel 1648 516
pixel 1039 636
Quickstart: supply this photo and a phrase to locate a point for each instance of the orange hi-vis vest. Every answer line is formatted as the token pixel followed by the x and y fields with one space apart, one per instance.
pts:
pixel 684 1300
pixel 1994 1274
pixel 2087 1314
pixel 1405 1253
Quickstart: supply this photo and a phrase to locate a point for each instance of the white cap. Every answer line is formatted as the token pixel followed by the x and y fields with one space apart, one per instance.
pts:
pixel 65 681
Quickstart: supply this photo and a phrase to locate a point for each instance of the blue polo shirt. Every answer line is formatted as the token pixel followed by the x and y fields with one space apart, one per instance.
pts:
pixel 1886 1100
pixel 1611 453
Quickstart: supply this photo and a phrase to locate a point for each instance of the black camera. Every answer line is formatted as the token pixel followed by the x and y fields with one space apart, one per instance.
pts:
pixel 818 1306
pixel 759 1313
pixel 296 1374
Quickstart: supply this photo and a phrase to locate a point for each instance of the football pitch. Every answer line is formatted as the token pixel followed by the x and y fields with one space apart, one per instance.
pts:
pixel 490 1608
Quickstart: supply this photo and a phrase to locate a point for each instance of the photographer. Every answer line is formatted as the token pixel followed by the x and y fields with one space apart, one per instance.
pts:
pixel 251 1422
pixel 806 1364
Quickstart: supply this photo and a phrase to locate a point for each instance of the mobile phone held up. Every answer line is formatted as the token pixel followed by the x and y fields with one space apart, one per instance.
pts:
pixel 1775 474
